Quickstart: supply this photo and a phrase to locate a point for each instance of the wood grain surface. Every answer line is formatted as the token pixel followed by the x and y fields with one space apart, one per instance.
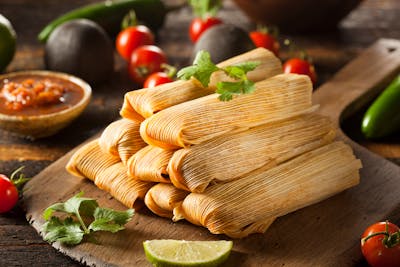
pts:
pixel 298 239
pixel 20 245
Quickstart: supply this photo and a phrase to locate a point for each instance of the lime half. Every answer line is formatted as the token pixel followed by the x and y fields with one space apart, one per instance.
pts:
pixel 7 42
pixel 166 252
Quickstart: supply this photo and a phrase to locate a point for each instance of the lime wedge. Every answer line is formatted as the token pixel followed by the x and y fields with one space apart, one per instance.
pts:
pixel 166 252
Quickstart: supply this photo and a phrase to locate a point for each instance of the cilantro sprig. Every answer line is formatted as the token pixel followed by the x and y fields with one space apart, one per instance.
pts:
pixel 203 68
pixel 71 232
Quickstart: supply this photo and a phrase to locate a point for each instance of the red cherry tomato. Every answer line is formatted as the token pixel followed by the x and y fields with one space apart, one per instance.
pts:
pixel 144 61
pixel 198 26
pixel 300 66
pixel 266 40
pixel 8 194
pixel 157 78
pixel 377 251
pixel 131 38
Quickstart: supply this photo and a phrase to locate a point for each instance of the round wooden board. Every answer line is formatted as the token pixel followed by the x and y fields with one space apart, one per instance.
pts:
pixel 324 234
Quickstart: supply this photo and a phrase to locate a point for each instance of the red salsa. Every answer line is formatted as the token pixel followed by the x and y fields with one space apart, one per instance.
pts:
pixel 37 95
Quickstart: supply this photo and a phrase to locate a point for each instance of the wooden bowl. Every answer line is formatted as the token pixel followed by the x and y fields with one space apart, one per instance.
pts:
pixel 39 126
pixel 300 15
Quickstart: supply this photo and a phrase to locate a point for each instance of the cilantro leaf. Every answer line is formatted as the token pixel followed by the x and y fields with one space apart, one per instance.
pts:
pixel 202 69
pixel 110 220
pixel 228 89
pixel 50 210
pixel 73 206
pixel 80 205
pixel 247 66
pixel 67 232
pixel 248 87
pixel 71 232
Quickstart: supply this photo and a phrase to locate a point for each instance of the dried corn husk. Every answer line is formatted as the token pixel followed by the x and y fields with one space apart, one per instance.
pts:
pixel 193 122
pixel 89 160
pixel 125 189
pixel 150 164
pixel 229 157
pixel 161 199
pixel 143 103
pixel 122 139
pixel 311 177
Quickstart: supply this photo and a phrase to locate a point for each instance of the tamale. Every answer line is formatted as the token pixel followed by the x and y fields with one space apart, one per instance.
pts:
pixel 150 164
pixel 89 160
pixel 143 103
pixel 230 156
pixel 232 208
pixel 122 139
pixel 193 122
pixel 125 189
pixel 161 199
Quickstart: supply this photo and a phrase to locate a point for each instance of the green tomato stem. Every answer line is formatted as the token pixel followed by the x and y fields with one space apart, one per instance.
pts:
pixel 389 241
pixel 169 70
pixel 129 20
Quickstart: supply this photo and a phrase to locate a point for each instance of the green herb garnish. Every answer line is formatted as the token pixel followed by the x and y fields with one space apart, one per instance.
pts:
pixel 71 232
pixel 203 68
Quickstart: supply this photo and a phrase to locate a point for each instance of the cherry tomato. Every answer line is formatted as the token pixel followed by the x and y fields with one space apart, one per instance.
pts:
pixel 157 78
pixel 198 26
pixel 266 40
pixel 378 251
pixel 131 38
pixel 8 194
pixel 144 61
pixel 300 66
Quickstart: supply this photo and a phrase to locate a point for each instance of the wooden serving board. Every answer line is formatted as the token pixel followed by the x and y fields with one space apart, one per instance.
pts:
pixel 324 234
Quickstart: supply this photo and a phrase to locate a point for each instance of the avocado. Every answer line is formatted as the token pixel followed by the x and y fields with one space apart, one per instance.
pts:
pixel 82 48
pixel 223 41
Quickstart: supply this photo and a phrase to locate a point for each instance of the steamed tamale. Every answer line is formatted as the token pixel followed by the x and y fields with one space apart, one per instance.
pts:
pixel 89 160
pixel 230 156
pixel 122 139
pixel 161 199
pixel 193 122
pixel 232 208
pixel 143 103
pixel 125 189
pixel 150 164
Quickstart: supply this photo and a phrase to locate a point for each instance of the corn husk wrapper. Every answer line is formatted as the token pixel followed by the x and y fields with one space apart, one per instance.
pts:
pixel 193 122
pixel 150 164
pixel 125 189
pixel 229 157
pixel 311 177
pixel 122 139
pixel 161 199
pixel 108 174
pixel 144 103
pixel 89 160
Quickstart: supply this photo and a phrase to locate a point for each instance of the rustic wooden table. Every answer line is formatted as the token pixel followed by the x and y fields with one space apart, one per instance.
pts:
pixel 20 245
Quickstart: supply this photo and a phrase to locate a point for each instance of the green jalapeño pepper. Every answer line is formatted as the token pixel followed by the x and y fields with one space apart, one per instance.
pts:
pixel 383 116
pixel 110 13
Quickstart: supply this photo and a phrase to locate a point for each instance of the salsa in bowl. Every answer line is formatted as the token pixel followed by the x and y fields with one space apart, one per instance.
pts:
pixel 38 104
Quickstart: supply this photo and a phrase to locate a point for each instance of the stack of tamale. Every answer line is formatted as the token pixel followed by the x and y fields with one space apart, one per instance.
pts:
pixel 232 167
